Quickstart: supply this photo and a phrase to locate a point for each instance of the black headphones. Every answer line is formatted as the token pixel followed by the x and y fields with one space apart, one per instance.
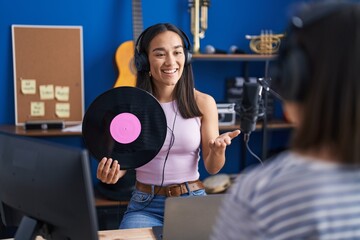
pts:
pixel 141 58
pixel 291 73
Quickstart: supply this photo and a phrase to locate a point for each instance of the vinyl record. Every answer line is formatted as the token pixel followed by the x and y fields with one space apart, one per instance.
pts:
pixel 127 124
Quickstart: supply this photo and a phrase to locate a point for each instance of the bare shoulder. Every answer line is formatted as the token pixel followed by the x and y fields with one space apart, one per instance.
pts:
pixel 204 101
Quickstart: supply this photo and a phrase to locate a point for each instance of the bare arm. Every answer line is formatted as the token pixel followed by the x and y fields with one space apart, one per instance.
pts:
pixel 213 144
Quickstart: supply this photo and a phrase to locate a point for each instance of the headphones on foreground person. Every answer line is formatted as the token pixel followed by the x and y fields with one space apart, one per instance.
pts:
pixel 291 73
pixel 141 58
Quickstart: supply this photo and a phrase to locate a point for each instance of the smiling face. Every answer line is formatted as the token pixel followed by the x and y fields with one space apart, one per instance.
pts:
pixel 166 58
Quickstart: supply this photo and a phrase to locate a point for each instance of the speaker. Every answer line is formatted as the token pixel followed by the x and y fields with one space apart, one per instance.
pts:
pixel 291 73
pixel 141 58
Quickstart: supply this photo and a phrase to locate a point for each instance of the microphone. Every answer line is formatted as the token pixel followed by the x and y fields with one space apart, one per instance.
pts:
pixel 212 50
pixel 235 50
pixel 250 108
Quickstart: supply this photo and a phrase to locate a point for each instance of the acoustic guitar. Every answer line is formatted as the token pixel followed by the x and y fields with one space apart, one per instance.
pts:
pixel 124 56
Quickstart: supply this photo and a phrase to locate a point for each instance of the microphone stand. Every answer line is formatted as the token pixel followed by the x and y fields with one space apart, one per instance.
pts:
pixel 266 86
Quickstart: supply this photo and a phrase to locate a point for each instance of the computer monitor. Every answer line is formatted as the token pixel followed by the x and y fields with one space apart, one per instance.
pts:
pixel 50 184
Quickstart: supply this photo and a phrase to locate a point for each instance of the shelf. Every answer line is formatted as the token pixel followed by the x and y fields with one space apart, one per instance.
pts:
pixel 19 130
pixel 101 201
pixel 271 125
pixel 233 57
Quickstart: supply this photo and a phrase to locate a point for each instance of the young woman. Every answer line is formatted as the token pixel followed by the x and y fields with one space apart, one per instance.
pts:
pixel 162 58
pixel 311 191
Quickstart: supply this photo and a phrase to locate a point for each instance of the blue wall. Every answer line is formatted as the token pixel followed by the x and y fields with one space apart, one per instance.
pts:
pixel 108 23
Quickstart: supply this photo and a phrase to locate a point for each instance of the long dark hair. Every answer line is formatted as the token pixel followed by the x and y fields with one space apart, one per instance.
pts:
pixel 331 108
pixel 184 89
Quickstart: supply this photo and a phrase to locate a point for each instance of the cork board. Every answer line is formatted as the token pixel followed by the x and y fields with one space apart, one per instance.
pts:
pixel 48 73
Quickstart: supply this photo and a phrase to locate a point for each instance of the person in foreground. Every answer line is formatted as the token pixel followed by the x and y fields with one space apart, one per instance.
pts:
pixel 162 58
pixel 312 190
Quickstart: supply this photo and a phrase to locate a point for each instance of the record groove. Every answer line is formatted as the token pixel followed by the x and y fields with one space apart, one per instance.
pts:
pixel 127 124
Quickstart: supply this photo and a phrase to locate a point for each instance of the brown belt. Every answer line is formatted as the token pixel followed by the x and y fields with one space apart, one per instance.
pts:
pixel 171 190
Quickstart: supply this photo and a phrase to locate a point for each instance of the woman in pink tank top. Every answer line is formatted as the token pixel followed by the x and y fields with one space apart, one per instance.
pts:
pixel 163 61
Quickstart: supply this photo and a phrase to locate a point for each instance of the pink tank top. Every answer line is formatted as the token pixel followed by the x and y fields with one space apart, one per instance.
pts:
pixel 182 162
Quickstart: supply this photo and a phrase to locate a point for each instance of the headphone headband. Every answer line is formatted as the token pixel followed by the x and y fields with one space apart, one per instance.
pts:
pixel 308 13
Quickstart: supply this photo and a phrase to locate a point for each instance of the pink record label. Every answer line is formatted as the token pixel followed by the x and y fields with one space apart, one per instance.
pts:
pixel 125 128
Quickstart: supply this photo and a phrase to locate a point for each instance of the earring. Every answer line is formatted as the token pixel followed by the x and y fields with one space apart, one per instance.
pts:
pixel 149 74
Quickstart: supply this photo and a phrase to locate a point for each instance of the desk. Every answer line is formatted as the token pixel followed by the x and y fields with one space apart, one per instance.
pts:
pixel 127 234
pixel 122 234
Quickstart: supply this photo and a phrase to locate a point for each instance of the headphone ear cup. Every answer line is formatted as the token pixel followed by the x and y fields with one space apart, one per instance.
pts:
pixel 294 75
pixel 141 62
pixel 291 73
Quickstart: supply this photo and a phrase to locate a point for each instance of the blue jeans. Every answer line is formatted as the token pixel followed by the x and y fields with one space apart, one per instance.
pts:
pixel 147 210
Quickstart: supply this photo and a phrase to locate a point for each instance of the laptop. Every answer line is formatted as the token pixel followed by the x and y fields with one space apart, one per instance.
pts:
pixel 189 217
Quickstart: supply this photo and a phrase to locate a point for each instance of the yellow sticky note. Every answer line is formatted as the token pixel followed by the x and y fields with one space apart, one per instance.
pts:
pixel 28 86
pixel 37 109
pixel 62 93
pixel 46 92
pixel 62 110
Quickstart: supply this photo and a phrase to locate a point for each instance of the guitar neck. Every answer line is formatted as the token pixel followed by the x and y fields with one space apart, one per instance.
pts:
pixel 137 18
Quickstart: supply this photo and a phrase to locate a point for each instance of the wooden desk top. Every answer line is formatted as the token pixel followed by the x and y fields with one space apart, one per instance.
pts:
pixel 122 234
pixel 127 234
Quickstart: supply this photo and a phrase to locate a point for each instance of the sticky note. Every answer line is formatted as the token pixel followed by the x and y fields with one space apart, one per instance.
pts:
pixel 62 110
pixel 37 109
pixel 62 93
pixel 28 86
pixel 46 92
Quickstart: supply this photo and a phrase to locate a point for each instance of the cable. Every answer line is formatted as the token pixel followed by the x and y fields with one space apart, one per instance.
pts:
pixel 172 140
pixel 246 140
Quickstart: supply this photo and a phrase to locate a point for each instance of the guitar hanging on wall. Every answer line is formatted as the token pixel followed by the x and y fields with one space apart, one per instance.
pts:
pixel 124 56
